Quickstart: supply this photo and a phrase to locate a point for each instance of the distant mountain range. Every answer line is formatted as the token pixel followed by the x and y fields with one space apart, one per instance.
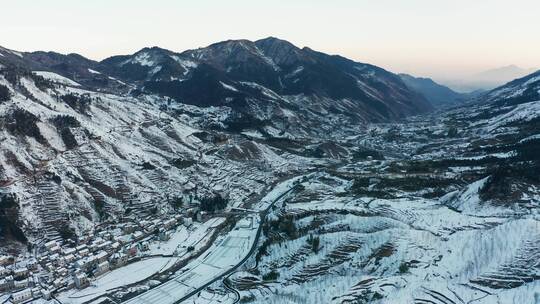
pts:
pixel 259 80
pixel 438 95
pixel 489 79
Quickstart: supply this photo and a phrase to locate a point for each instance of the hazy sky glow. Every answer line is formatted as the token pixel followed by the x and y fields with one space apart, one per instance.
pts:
pixel 437 38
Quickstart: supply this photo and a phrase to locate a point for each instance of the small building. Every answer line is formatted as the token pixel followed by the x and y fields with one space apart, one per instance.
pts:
pixel 32 264
pixel 69 258
pixel 132 250
pixel 137 235
pixel 69 283
pixel 36 292
pixel 118 259
pixel 49 266
pixel 129 228
pixel 6 283
pixel 164 235
pixel 56 248
pixel 20 273
pixel 20 284
pixel 62 272
pixel 168 224
pixel 51 244
pixel 105 245
pixel 102 268
pixel 58 283
pixel 46 294
pixel 179 219
pixel 144 246
pixel 81 263
pixel 22 296
pixel 115 246
pixel 188 221
pixel 69 251
pixel 84 252
pixel 81 280
pixel 54 257
pixel 102 256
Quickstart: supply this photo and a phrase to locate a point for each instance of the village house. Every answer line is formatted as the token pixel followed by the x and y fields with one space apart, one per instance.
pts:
pixel 69 258
pixel 168 224
pixel 69 283
pixel 32 264
pixel 115 246
pixel 45 294
pixel 164 235
pixel 144 246
pixel 22 296
pixel 68 251
pixel 119 259
pixel 62 272
pixel 129 228
pixel 36 292
pixel 7 283
pixel 131 250
pixel 102 256
pixel 20 284
pixel 81 280
pixel 86 263
pixel 137 236
pixel 20 273
pixel 178 218
pixel 57 283
pixel 101 268
pixel 95 245
pixel 49 267
pixel 56 248
pixel 50 245
pixel 105 245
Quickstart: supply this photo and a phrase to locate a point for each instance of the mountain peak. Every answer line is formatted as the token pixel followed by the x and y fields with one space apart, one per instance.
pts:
pixel 282 52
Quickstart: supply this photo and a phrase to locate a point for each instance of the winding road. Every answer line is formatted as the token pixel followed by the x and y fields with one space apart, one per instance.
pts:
pixel 212 266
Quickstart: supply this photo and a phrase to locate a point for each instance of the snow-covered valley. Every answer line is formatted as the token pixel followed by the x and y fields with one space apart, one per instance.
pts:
pixel 111 195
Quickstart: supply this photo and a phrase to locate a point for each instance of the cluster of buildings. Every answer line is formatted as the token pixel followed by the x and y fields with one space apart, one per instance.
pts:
pixel 20 277
pixel 64 265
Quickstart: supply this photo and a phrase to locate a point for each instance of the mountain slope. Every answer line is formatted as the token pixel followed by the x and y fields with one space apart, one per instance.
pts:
pixel 437 94
pixel 518 91
pixel 270 82
pixel 267 76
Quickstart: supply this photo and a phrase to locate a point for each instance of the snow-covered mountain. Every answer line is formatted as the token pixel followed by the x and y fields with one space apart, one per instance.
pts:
pixel 303 185
pixel 518 91
pixel 83 141
pixel 262 79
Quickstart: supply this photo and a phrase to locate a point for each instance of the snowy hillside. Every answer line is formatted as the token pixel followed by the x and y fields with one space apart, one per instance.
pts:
pixel 259 172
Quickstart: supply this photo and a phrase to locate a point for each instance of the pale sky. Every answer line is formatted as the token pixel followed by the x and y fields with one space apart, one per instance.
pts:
pixel 435 38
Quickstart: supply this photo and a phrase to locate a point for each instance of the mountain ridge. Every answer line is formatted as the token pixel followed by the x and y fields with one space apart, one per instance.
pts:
pixel 272 63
